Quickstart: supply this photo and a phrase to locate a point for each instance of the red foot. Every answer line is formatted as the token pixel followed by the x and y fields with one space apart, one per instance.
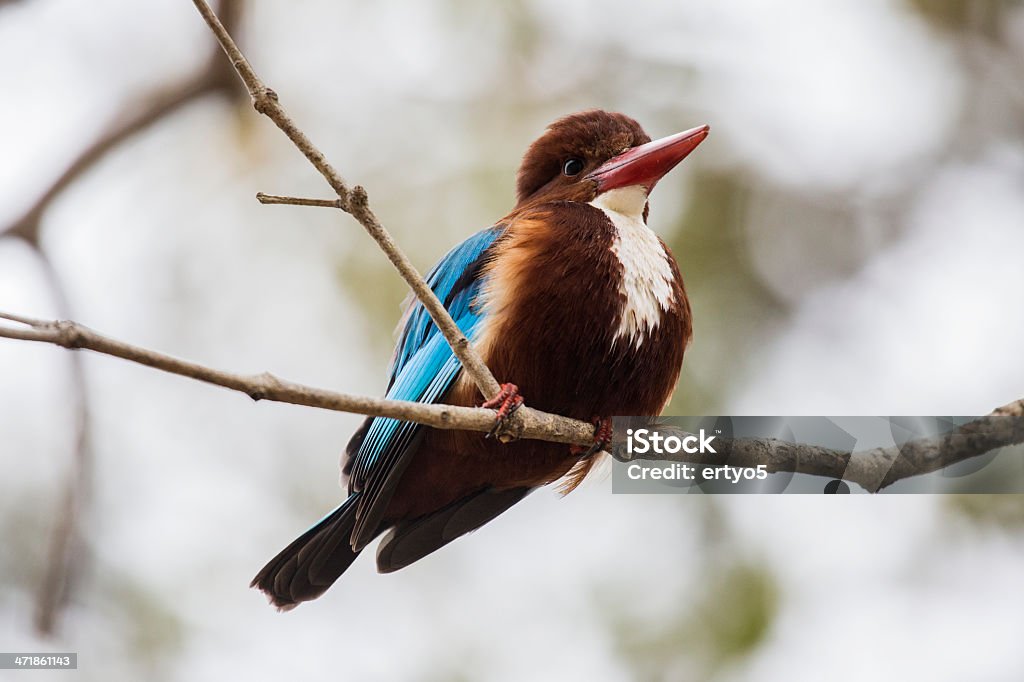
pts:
pixel 505 403
pixel 602 438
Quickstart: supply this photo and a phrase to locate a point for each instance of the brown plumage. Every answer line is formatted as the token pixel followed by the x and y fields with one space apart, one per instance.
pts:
pixel 582 308
pixel 592 136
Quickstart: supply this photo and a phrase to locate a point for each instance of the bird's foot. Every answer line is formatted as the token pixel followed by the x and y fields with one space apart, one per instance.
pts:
pixel 602 439
pixel 504 404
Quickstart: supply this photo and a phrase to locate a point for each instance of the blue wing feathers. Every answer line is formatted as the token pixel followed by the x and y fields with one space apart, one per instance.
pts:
pixel 455 280
pixel 423 369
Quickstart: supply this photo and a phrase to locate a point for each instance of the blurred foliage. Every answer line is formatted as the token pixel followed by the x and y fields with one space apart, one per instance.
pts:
pixel 733 604
pixel 522 30
pixel 26 526
pixel 998 472
pixel 984 16
pixel 732 310
pixel 731 615
pixel 735 613
pixel 146 622
pixel 1006 511
pixel 378 291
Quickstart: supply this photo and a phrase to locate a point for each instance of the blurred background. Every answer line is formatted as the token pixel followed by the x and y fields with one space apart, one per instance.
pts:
pixel 852 239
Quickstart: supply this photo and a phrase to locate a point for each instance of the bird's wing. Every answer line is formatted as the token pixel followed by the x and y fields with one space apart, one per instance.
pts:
pixel 422 370
pixel 410 541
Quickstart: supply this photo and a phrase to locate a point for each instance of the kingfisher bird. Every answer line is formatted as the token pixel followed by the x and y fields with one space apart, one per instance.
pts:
pixel 570 298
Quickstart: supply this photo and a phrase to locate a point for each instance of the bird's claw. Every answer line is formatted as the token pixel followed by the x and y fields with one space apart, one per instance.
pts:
pixel 504 404
pixel 602 438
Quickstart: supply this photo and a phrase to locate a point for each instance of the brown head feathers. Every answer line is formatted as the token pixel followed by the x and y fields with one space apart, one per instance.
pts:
pixel 555 165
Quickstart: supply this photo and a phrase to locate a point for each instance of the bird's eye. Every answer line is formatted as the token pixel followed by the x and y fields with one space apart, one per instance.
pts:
pixel 572 167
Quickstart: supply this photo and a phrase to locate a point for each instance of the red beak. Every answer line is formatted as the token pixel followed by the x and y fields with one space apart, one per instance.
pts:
pixel 648 163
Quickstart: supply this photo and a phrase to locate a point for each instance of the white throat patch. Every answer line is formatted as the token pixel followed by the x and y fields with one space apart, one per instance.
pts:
pixel 646 273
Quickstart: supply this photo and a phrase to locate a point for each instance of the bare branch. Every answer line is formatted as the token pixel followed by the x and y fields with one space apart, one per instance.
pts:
pixel 214 77
pixel 353 201
pixel 26 227
pixel 297 201
pixel 871 469
pixel 532 423
pixel 58 576
pixel 30 321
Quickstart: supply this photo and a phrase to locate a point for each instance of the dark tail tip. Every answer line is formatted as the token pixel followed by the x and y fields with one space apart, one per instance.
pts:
pixel 304 570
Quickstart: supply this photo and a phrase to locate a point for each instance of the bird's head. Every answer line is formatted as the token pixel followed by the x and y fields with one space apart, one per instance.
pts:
pixel 595 154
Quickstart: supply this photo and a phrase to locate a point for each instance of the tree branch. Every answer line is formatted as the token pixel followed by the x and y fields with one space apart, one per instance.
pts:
pixel 871 469
pixel 532 423
pixel 214 77
pixel 355 202
pixel 66 543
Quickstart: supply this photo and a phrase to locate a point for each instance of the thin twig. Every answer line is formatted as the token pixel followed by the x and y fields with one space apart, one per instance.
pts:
pixel 296 201
pixel 354 201
pixel 30 321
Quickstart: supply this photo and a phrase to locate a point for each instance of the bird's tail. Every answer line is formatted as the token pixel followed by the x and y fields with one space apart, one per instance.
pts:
pixel 312 562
